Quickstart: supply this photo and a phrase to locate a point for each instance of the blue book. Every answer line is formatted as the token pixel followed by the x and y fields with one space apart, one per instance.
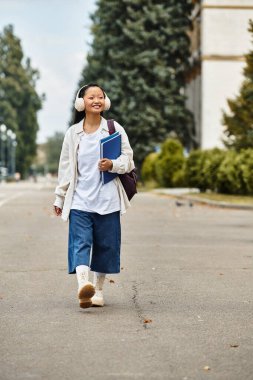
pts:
pixel 109 137
pixel 110 147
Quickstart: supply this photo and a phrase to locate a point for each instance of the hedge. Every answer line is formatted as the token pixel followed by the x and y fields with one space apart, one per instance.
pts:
pixel 223 171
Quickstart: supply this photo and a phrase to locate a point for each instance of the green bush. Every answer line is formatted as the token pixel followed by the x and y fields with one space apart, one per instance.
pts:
pixel 179 179
pixel 235 175
pixel 228 176
pixel 169 165
pixel 212 162
pixel 194 169
pixel 202 167
pixel 246 158
pixel 148 167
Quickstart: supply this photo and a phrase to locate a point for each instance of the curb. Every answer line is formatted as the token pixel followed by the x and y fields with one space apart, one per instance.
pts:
pixel 205 202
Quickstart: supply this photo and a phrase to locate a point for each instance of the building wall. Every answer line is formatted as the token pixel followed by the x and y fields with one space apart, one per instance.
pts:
pixel 224 41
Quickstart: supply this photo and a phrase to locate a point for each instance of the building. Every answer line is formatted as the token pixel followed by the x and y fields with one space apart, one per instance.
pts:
pixel 219 41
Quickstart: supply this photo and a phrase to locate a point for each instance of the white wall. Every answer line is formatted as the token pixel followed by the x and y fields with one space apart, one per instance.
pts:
pixel 220 80
pixel 224 40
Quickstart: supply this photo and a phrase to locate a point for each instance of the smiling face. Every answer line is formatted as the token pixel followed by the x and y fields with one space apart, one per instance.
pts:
pixel 94 100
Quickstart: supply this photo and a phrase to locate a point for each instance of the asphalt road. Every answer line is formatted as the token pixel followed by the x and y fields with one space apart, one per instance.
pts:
pixel 181 308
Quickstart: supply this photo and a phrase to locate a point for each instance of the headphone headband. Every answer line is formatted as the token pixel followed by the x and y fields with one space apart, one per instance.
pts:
pixel 79 102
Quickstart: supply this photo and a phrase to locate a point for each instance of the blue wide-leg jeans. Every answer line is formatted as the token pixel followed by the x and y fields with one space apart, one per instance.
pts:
pixel 94 240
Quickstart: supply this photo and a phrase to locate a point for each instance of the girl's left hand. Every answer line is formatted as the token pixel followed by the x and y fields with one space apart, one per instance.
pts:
pixel 105 164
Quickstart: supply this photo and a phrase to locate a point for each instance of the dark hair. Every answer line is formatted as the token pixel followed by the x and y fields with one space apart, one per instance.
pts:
pixel 78 116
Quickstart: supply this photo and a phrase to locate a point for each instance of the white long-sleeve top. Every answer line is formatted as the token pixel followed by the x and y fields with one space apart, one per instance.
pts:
pixel 91 194
pixel 68 174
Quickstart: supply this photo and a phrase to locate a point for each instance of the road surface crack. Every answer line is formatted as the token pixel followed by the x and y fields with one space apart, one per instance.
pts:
pixel 137 305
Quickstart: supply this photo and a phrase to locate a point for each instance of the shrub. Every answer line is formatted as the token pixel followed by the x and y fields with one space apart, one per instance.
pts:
pixel 169 164
pixel 179 179
pixel 212 162
pixel 245 162
pixel 148 167
pixel 195 169
pixel 228 176
pixel 202 167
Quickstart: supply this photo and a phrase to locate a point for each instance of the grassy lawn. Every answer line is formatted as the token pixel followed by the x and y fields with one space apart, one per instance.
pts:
pixel 147 187
pixel 236 199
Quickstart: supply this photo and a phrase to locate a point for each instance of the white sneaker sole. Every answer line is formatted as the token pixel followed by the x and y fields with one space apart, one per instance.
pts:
pixel 97 301
pixel 85 294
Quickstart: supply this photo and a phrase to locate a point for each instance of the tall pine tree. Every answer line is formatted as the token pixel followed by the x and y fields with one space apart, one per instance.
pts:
pixel 19 101
pixel 140 55
pixel 238 123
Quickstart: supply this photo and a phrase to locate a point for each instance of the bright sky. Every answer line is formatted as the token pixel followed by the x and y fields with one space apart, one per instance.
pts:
pixel 55 34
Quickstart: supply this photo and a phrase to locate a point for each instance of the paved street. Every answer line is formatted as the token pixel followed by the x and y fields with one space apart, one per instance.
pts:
pixel 187 271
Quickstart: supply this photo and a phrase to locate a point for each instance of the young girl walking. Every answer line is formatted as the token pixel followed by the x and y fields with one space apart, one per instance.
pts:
pixel 93 209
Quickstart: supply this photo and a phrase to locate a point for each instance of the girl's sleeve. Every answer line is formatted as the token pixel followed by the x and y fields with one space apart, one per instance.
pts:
pixel 124 163
pixel 63 173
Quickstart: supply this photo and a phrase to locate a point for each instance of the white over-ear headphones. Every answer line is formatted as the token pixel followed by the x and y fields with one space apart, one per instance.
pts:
pixel 80 106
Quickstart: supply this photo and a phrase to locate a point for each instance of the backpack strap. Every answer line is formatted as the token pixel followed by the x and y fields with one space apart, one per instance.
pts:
pixel 111 126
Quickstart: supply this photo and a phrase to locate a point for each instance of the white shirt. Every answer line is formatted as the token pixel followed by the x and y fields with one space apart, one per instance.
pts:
pixel 90 194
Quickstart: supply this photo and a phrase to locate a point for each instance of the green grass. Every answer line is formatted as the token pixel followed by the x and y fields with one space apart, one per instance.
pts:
pixel 150 185
pixel 235 199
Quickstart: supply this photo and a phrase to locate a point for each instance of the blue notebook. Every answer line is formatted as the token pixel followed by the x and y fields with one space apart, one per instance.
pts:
pixel 110 147
pixel 109 137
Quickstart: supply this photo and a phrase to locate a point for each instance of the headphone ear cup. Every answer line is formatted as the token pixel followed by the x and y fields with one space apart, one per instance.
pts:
pixel 79 104
pixel 107 103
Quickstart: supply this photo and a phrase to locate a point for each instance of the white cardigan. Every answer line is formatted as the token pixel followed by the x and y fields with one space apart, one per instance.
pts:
pixel 67 172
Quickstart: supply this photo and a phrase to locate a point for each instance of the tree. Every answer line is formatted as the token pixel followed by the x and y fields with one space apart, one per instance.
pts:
pixel 53 149
pixel 238 123
pixel 140 55
pixel 19 101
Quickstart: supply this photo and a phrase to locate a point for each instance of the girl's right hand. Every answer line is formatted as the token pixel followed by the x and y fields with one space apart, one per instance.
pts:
pixel 57 210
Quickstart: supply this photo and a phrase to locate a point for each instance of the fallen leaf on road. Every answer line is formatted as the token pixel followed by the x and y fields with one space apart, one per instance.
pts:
pixel 112 281
pixel 221 274
pixel 234 345
pixel 122 268
pixel 206 368
pixel 147 321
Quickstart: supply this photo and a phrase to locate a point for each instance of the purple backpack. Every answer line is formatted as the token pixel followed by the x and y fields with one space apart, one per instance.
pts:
pixel 128 180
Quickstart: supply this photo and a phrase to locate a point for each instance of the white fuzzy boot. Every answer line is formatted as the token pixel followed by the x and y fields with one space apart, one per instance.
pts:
pixel 98 281
pixel 86 290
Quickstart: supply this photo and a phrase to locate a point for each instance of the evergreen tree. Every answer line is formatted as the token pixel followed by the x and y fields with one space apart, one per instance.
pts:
pixel 19 101
pixel 238 123
pixel 140 55
pixel 53 149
